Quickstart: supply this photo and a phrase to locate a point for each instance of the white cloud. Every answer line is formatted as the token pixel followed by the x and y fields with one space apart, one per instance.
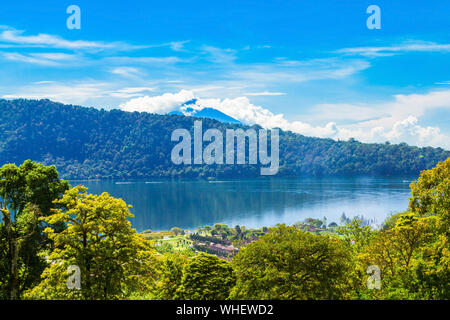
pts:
pixel 158 104
pixel 178 45
pixel 409 130
pixel 397 121
pixel 52 41
pixel 128 72
pixel 128 93
pixel 239 108
pixel 297 71
pixel 146 60
pixel 43 59
pixel 411 46
pixel 265 93
pixel 75 92
pixel 219 55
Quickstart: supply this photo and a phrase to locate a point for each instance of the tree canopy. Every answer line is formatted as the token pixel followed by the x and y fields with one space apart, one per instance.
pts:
pixel 288 263
pixel 99 240
pixel 206 277
pixel 26 194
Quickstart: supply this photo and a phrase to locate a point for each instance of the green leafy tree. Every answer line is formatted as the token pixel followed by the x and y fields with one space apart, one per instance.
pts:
pixel 397 252
pixel 288 263
pixel 26 194
pixel 164 247
pixel 314 222
pixel 412 249
pixel 177 231
pixel 431 197
pixel 206 277
pixel 221 230
pixel 207 229
pixel 356 235
pixel 333 225
pixel 113 259
pixel 170 276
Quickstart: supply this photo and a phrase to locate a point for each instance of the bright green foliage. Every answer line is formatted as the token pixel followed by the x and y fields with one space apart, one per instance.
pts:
pixel 412 250
pixel 288 263
pixel 391 220
pixel 170 275
pixel 114 260
pixel 164 247
pixel 206 277
pixel 26 193
pixel 431 194
pixel 356 235
pixel 177 231
pixel 93 232
pixel 221 230
pixel 397 252
pixel 314 222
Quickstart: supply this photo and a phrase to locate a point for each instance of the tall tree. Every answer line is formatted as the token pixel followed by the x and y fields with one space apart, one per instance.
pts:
pixel 397 252
pixel 26 193
pixel 206 277
pixel 170 275
pixel 287 263
pixel 114 261
pixel 412 250
pixel 431 197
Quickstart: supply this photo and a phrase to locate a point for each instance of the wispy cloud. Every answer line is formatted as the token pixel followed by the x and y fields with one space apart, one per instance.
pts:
pixel 128 93
pixel 300 71
pixel 219 55
pixel 178 45
pixel 43 40
pixel 416 46
pixel 146 60
pixel 127 72
pixel 43 59
pixel 265 93
pixel 76 92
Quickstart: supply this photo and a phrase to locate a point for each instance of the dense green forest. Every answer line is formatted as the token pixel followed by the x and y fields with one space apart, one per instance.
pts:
pixel 91 143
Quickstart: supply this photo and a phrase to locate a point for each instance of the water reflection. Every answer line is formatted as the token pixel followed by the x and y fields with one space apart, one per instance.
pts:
pixel 159 205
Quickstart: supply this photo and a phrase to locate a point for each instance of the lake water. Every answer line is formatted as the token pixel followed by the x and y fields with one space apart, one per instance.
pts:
pixel 161 205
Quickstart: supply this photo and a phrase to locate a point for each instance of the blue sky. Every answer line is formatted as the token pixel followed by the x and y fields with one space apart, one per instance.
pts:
pixel 312 67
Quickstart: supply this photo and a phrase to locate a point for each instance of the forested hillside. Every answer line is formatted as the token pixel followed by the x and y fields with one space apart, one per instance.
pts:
pixel 91 143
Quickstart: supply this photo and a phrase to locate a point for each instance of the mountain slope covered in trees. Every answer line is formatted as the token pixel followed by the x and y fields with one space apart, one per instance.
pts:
pixel 91 143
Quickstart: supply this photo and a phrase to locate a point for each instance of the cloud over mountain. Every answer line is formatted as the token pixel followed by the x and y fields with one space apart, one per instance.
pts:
pixel 396 121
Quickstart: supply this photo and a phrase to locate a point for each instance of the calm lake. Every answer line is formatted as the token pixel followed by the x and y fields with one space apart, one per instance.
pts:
pixel 161 205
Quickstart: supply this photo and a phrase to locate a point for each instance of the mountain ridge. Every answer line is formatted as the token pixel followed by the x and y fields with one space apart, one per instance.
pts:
pixel 85 143
pixel 187 109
